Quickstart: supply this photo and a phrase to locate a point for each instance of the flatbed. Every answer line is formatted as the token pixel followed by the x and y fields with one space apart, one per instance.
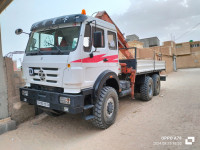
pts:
pixel 144 66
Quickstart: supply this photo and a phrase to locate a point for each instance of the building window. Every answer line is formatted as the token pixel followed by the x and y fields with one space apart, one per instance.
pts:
pixel 112 43
pixel 178 45
pixel 195 45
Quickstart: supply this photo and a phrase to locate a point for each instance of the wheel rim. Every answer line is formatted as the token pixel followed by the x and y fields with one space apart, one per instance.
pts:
pixel 150 89
pixel 109 109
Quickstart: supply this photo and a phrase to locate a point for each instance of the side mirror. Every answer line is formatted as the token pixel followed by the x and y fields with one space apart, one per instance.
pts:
pixel 18 31
pixel 97 39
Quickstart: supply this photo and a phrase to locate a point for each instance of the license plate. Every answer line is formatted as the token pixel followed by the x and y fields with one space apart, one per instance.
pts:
pixel 44 104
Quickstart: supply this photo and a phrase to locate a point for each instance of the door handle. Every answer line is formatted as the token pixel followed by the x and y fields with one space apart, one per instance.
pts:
pixel 105 59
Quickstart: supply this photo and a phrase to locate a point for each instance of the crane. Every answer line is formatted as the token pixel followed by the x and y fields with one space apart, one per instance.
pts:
pixel 123 48
pixel 123 45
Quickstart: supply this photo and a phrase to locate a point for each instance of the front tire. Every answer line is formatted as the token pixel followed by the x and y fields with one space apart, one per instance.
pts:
pixel 106 108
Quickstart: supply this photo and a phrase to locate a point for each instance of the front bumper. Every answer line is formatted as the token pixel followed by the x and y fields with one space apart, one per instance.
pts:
pixel 76 101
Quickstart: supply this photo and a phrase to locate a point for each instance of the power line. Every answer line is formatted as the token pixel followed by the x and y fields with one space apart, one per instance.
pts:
pixel 191 30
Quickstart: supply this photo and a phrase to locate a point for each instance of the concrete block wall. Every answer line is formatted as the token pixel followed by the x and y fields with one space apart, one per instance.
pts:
pixel 3 86
pixel 6 125
pixel 150 42
pixel 18 111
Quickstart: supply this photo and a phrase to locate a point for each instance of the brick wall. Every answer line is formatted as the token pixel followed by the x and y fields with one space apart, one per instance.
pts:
pixel 169 63
pixel 183 48
pixel 189 61
pixel 145 53
pixel 187 55
pixel 164 52
pixel 167 51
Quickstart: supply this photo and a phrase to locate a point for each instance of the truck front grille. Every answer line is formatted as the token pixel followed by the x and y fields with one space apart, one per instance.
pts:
pixel 47 88
pixel 49 75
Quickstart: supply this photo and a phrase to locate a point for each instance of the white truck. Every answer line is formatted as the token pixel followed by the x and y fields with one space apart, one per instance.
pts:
pixel 71 65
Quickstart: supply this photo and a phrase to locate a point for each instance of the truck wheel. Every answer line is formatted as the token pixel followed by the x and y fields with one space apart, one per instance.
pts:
pixel 146 89
pixel 106 107
pixel 137 96
pixel 156 83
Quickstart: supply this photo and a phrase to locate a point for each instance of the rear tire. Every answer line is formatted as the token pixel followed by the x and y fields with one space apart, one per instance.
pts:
pixel 146 89
pixel 156 83
pixel 106 108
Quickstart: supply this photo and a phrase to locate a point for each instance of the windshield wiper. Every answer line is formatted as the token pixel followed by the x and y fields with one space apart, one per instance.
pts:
pixel 59 50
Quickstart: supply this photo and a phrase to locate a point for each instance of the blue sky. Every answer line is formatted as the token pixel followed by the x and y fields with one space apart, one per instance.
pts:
pixel 166 19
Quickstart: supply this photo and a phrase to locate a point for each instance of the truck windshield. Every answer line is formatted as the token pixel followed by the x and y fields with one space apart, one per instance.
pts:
pixel 53 40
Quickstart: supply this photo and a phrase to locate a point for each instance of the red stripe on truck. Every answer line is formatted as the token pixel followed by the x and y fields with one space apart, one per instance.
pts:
pixel 98 58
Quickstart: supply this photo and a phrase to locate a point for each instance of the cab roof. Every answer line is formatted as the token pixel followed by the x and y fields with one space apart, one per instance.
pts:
pixel 76 18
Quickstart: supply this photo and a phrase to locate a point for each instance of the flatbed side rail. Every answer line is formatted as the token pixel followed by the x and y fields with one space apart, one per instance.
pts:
pixel 135 48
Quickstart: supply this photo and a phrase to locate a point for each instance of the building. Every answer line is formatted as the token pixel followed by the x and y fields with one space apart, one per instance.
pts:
pixel 176 55
pixel 150 42
pixel 188 54
pixel 132 37
pixel 147 42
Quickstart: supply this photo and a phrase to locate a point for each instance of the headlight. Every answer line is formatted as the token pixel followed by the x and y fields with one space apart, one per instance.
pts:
pixel 65 100
pixel 24 93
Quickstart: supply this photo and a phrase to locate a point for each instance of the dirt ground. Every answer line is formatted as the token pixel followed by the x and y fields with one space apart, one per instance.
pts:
pixel 162 123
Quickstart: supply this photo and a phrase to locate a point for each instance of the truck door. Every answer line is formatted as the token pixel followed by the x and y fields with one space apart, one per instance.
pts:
pixel 112 55
pixel 95 65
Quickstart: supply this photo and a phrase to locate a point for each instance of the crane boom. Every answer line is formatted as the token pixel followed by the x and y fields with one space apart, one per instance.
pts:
pixel 121 40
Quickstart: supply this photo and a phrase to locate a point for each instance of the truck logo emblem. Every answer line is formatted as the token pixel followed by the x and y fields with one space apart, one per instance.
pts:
pixel 31 71
pixel 41 75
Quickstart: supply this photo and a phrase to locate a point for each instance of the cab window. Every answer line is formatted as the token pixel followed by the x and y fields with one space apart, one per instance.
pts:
pixel 102 31
pixel 87 39
pixel 112 43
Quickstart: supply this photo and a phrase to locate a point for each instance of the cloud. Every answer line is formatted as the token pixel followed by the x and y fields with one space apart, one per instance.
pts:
pixel 162 18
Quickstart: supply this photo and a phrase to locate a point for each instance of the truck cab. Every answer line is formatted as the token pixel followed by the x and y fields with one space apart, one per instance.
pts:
pixel 59 54
pixel 61 65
